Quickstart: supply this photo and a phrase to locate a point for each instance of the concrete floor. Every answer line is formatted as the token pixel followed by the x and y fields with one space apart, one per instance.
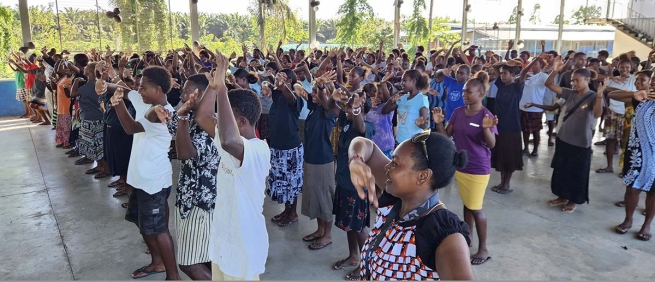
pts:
pixel 59 224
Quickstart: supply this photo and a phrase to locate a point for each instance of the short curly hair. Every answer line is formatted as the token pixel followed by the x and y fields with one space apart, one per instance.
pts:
pixel 159 76
pixel 245 103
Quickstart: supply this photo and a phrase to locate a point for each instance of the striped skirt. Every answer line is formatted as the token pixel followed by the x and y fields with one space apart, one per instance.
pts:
pixel 90 140
pixel 192 235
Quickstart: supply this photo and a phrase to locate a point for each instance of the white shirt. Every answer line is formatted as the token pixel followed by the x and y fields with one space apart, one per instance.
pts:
pixel 534 90
pixel 628 85
pixel 307 85
pixel 493 89
pixel 149 169
pixel 238 241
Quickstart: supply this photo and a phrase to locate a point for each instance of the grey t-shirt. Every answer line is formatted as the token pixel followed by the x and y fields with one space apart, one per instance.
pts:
pixel 576 130
pixel 89 102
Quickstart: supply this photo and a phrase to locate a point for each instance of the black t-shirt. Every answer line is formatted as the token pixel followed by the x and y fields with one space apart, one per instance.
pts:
pixel 348 133
pixel 431 229
pixel 110 116
pixel 173 96
pixel 507 106
pixel 283 122
pixel 318 127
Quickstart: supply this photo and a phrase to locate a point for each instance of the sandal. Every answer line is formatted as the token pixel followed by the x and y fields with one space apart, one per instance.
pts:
pixel 644 237
pixel 278 217
pixel 67 147
pixel 318 246
pixel 622 229
pixel 101 175
pixel 503 191
pixel 620 204
pixel 93 170
pixel 534 154
pixel 145 272
pixel 310 238
pixel 285 222
pixel 74 155
pixel 70 152
pixel 353 277
pixel 604 170
pixel 569 209
pixel 120 193
pixel 479 261
pixel 83 161
pixel 557 202
pixel 124 205
pixel 341 264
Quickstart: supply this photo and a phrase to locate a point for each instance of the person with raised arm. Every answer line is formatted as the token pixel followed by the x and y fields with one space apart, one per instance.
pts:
pixel 572 159
pixel 238 245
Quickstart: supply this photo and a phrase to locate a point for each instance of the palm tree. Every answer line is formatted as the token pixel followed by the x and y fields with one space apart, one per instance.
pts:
pixel 271 6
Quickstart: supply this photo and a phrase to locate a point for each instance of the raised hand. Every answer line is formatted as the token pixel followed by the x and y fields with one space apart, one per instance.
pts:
pixel 281 79
pixel 438 115
pixel 510 44
pixel 422 122
pixel 375 102
pixel 601 88
pixel 80 79
pixel 266 90
pixel 174 83
pixel 300 91
pixel 489 121
pixel 163 114
pixel 101 87
pixel 395 98
pixel 117 98
pixel 558 63
pixel 339 95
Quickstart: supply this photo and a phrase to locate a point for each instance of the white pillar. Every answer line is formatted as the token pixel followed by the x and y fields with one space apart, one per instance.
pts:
pixel 396 24
pixel 195 27
pixel 24 21
pixel 561 27
pixel 465 19
pixel 312 24
pixel 517 32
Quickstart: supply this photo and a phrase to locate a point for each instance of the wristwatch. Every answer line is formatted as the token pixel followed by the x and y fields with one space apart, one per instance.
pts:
pixel 184 117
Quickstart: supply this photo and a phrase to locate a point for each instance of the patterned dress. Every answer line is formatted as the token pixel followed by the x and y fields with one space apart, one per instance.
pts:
pixel 406 252
pixel 641 148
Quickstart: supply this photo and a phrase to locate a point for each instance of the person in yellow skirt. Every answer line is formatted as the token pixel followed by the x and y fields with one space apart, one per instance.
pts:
pixel 473 128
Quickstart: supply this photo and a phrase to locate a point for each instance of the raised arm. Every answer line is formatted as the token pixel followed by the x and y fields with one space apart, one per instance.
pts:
pixel 228 130
pixel 621 95
pixel 130 126
pixel 558 65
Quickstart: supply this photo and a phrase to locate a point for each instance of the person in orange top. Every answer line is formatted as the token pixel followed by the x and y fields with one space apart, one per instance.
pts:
pixel 63 128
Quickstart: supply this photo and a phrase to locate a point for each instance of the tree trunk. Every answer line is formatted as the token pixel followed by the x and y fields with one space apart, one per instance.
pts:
pixel 262 21
pixel 430 25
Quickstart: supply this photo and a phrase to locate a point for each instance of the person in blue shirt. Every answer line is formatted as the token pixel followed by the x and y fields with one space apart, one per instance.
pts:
pixel 412 106
pixel 455 85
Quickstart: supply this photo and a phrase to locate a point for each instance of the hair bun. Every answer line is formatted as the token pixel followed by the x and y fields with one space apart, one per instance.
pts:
pixel 460 159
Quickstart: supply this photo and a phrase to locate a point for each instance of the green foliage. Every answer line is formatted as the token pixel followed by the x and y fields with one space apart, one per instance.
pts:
pixel 513 17
pixel 583 14
pixel 556 20
pixel 417 26
pixel 8 38
pixel 535 17
pixel 353 14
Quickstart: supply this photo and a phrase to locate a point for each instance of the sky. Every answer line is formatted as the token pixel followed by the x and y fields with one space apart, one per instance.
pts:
pixel 488 11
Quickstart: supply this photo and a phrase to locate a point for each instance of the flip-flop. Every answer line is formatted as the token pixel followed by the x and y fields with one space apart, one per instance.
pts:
pixel 341 265
pixel 93 171
pixel 351 277
pixel 83 161
pixel 621 229
pixel 124 205
pixel 147 273
pixel 120 194
pixel 74 155
pixel 604 170
pixel 70 152
pixel 644 237
pixel 310 238
pixel 115 184
pixel 620 204
pixel 317 246
pixel 285 223
pixel 534 154
pixel 569 210
pixel 483 260
pixel 553 203
pixel 278 218
pixel 101 175
pixel 504 191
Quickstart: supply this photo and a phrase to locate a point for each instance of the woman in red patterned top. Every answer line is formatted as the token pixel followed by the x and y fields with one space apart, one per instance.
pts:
pixel 415 237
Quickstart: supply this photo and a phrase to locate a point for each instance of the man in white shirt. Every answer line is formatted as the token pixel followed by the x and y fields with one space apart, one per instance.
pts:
pixel 238 245
pixel 150 171
pixel 615 114
pixel 534 89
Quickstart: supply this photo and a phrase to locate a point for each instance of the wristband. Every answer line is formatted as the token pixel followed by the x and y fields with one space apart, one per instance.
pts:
pixel 357 111
pixel 184 117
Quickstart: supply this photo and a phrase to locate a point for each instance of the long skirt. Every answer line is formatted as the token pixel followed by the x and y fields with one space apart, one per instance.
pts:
pixel 351 212
pixel 91 139
pixel 285 180
pixel 118 147
pixel 507 155
pixel 318 191
pixel 63 129
pixel 570 178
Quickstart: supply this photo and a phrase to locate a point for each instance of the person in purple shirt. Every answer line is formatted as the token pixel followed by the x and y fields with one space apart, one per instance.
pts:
pixel 473 127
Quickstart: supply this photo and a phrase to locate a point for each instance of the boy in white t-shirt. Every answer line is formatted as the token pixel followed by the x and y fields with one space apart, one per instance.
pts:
pixel 238 245
pixel 150 171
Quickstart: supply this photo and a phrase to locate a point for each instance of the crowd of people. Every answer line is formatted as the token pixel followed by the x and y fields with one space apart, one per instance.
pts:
pixel 355 131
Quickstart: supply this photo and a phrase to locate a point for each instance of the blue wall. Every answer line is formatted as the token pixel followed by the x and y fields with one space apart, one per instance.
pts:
pixel 8 104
